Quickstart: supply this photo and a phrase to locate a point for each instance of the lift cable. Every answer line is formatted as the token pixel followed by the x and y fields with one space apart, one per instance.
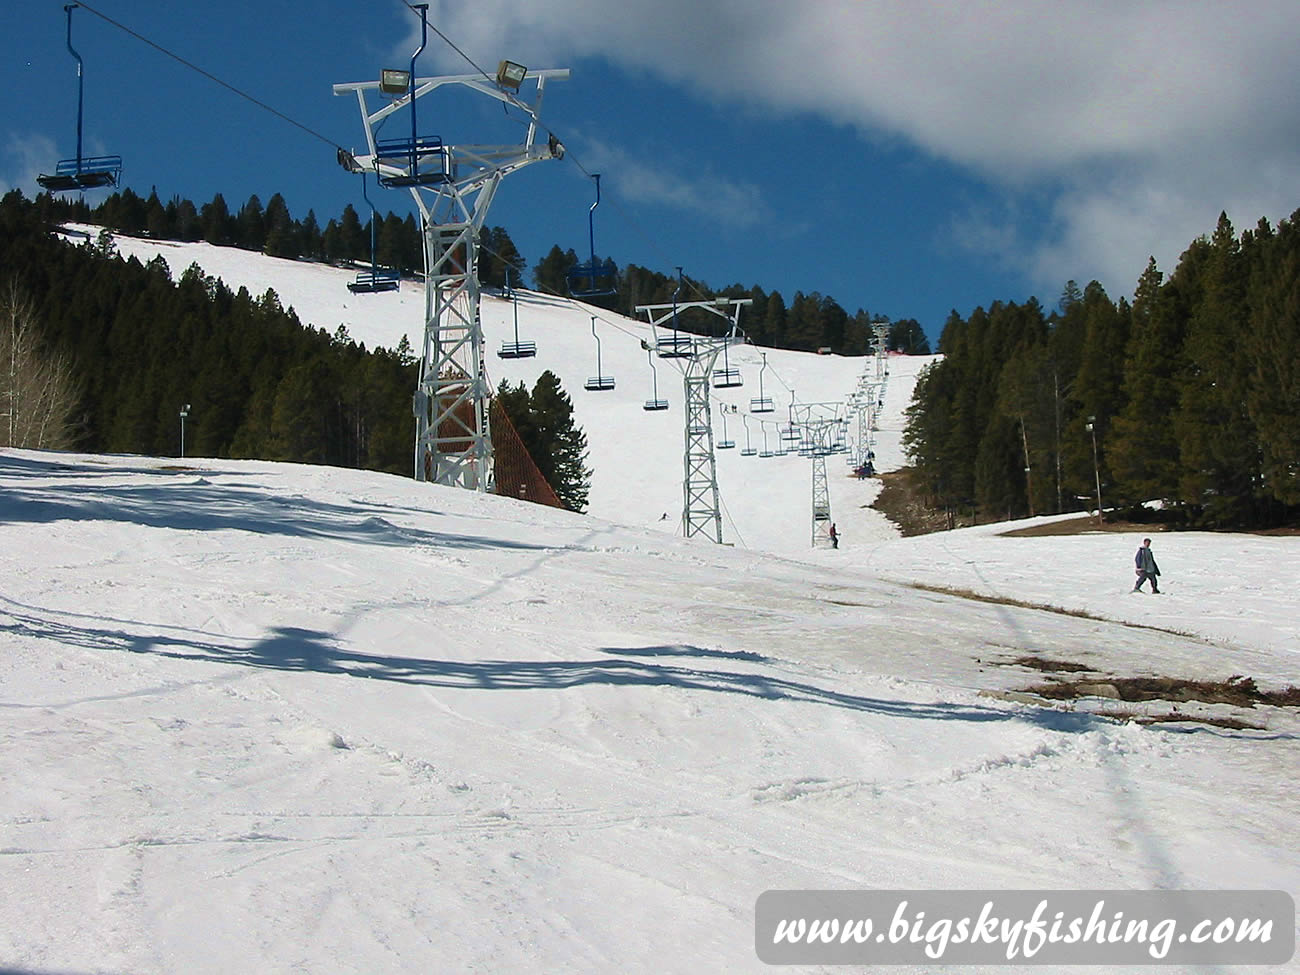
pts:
pixel 211 77
pixel 333 144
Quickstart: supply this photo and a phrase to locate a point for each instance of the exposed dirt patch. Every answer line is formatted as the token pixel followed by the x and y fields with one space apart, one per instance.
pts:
pixel 904 504
pixel 981 597
pixel 1082 525
pixel 1048 665
pixel 1177 717
pixel 1237 690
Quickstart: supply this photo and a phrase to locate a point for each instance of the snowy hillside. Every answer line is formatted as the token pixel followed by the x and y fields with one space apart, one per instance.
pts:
pixel 263 717
pixel 636 455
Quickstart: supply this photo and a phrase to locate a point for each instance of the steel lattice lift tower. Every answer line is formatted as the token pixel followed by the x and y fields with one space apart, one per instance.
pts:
pixel 701 505
pixel 453 187
pixel 817 423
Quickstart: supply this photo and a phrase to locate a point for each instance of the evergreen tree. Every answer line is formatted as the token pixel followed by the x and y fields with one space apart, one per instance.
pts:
pixel 157 222
pixel 550 274
pixel 1272 343
pixel 391 247
pixel 1144 451
pixel 250 225
pixel 499 254
pixel 907 335
pixel 282 235
pixel 775 321
pixel 544 422
pixel 353 241
pixel 218 227
pixel 1218 450
pixel 185 219
pixel 310 233
pixel 1097 393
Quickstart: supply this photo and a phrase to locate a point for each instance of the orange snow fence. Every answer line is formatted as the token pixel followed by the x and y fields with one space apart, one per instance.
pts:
pixel 517 475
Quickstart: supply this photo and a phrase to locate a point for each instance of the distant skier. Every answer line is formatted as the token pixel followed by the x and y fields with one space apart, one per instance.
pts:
pixel 1145 563
pixel 835 536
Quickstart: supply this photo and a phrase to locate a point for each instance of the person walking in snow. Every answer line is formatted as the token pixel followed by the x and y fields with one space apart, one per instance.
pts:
pixel 1145 563
pixel 835 536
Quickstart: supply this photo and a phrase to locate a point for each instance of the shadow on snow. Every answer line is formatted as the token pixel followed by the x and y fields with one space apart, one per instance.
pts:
pixel 314 651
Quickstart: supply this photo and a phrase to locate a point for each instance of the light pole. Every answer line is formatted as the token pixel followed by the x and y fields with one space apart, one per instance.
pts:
pixel 185 411
pixel 1091 427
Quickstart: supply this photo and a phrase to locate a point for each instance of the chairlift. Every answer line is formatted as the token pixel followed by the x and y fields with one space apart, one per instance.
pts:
pixel 599 381
pixel 679 345
pixel 81 172
pixel 766 451
pixel 421 160
pixel 593 278
pixel 654 404
pixel 516 349
pixel 728 376
pixel 724 443
pixel 747 450
pixel 377 278
pixel 761 403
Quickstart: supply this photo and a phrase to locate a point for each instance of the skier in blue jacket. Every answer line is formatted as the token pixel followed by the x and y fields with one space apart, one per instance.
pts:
pixel 1145 563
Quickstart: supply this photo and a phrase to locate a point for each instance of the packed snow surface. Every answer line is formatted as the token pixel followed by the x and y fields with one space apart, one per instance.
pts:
pixel 269 717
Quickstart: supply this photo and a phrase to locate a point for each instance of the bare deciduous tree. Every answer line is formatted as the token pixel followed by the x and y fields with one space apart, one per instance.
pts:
pixel 37 390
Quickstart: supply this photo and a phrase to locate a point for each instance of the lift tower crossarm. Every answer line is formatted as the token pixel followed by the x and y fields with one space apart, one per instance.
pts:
pixel 725 308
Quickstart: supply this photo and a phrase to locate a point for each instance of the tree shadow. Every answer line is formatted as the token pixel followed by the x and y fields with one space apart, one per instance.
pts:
pixel 296 649
pixel 195 505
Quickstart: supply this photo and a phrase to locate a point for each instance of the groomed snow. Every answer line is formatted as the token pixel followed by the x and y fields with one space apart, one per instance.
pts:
pixel 269 717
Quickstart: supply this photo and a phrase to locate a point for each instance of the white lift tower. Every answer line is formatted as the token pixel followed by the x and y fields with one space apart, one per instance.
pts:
pixel 453 187
pixel 818 424
pixel 701 506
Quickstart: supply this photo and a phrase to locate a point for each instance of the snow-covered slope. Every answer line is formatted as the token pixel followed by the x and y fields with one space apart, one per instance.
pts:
pixel 260 717
pixel 267 717
pixel 637 456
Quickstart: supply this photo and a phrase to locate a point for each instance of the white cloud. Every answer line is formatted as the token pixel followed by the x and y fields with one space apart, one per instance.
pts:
pixel 730 203
pixel 25 157
pixel 1141 118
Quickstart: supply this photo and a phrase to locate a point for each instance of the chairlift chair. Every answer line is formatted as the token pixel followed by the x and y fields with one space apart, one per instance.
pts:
pixel 378 278
pixel 728 376
pixel 761 403
pixel 600 381
pixel 747 450
pixel 81 172
pixel 516 349
pixel 675 346
pixel 421 160
pixel 724 443
pixel 678 345
pixel 593 278
pixel 654 404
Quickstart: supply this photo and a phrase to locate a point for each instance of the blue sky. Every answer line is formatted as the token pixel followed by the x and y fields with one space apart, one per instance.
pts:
pixel 901 156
